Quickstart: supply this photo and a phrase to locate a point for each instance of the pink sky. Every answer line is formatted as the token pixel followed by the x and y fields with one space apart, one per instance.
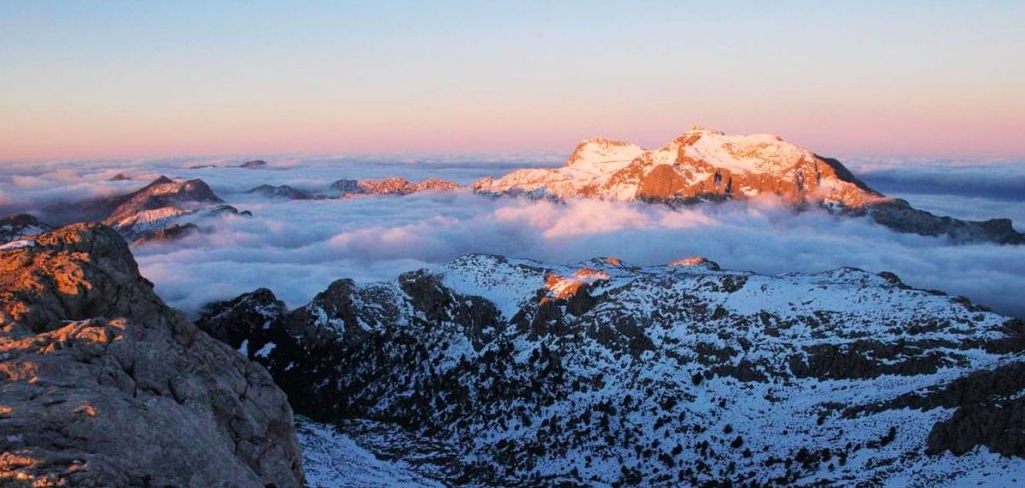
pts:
pixel 138 80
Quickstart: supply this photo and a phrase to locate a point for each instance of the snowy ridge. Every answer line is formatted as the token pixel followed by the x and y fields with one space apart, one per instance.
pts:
pixel 164 209
pixel 333 460
pixel 700 163
pixel 683 374
pixel 704 165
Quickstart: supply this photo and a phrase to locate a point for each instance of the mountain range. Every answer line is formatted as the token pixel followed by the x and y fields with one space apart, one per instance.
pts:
pixel 704 165
pixel 497 371
pixel 700 166
pixel 513 372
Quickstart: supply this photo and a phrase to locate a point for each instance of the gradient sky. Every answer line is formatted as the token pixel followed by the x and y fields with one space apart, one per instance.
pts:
pixel 131 79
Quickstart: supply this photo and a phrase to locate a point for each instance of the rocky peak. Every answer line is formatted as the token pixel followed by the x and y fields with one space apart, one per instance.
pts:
pixel 695 261
pixel 13 227
pixel 254 164
pixel 600 151
pixel 281 191
pixel 163 192
pixel 703 165
pixel 104 385
pixel 165 209
pixel 390 186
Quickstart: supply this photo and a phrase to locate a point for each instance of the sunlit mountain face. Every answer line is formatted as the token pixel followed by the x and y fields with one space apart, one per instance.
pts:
pixel 720 309
pixel 312 218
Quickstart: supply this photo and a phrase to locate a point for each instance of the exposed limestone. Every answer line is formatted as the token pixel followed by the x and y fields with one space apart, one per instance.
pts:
pixel 101 384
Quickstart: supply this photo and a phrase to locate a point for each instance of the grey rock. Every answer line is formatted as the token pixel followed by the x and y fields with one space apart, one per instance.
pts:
pixel 16 226
pixel 104 385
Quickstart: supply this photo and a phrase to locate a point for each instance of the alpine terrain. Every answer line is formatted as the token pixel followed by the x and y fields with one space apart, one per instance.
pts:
pixel 498 371
pixel 705 165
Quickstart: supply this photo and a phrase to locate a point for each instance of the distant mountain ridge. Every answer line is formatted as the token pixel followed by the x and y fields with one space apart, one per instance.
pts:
pixel 163 209
pixel 709 166
pixel 700 164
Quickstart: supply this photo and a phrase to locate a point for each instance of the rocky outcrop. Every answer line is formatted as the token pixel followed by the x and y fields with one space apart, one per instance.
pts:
pixel 989 410
pixel 389 186
pixel 709 166
pixel 254 164
pixel 163 210
pixel 161 193
pixel 900 216
pixel 172 232
pixel 101 384
pixel 605 373
pixel 13 227
pixel 282 191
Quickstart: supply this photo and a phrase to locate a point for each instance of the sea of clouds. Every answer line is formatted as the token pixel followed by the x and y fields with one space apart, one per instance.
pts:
pixel 296 248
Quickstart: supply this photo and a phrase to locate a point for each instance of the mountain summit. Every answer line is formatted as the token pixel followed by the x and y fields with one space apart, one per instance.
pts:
pixel 699 164
pixel 707 165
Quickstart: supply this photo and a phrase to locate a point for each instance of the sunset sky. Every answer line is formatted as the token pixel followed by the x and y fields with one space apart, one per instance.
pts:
pixel 136 79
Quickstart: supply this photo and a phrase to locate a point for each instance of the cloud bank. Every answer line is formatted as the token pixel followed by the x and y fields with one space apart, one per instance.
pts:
pixel 296 248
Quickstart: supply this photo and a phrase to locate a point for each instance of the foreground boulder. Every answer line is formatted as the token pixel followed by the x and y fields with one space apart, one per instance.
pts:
pixel 101 384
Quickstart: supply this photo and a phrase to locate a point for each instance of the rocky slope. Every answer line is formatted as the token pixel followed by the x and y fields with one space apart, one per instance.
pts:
pixel 254 164
pixel 101 384
pixel 351 188
pixel 389 186
pixel 500 371
pixel 141 215
pixel 283 191
pixel 706 165
pixel 15 227
pixel 165 209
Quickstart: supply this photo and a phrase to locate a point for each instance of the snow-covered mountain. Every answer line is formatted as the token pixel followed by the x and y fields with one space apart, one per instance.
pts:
pixel 491 370
pixel 162 210
pixel 699 164
pixel 706 165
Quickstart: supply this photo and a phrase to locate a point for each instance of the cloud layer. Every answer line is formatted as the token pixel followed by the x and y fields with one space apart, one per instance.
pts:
pixel 296 248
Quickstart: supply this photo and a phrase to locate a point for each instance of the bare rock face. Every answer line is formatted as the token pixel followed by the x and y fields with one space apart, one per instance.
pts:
pixel 900 216
pixel 101 384
pixel 20 225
